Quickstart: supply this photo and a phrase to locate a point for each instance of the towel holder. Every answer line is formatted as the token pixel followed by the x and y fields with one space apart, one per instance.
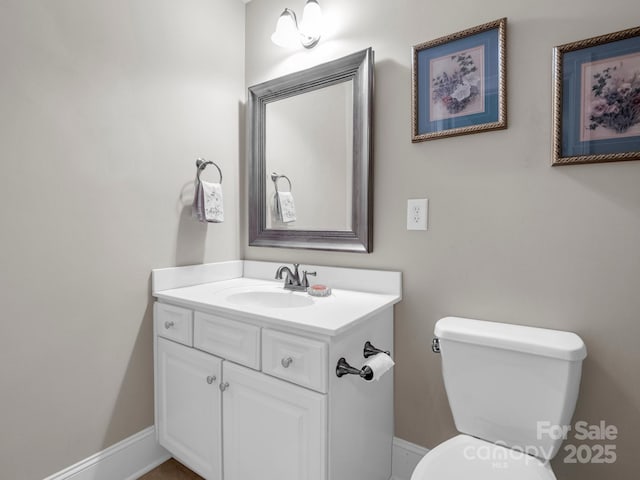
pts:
pixel 201 163
pixel 275 177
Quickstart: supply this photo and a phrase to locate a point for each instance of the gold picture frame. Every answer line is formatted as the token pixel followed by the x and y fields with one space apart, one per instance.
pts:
pixel 459 83
pixel 596 101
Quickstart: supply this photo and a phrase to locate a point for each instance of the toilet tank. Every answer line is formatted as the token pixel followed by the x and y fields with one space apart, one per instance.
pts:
pixel 511 384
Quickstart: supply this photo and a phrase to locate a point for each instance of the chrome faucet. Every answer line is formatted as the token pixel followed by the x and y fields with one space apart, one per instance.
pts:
pixel 293 281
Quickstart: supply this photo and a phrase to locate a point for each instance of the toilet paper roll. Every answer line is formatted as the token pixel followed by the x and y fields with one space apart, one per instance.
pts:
pixel 379 364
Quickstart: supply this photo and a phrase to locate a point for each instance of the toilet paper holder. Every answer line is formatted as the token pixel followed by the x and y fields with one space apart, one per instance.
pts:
pixel 370 350
pixel 343 367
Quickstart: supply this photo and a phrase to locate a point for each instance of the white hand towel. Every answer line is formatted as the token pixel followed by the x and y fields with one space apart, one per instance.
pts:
pixel 287 207
pixel 274 208
pixel 197 209
pixel 213 209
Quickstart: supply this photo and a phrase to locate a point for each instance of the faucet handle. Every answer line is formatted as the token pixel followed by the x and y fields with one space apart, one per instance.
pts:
pixel 305 280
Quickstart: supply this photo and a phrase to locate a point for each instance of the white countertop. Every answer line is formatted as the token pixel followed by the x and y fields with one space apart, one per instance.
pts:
pixel 330 315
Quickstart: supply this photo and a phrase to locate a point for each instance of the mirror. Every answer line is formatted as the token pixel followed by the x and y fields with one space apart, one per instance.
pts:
pixel 310 157
pixel 315 152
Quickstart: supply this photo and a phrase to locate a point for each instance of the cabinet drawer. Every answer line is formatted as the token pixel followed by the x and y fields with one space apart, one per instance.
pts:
pixel 229 339
pixel 296 359
pixel 174 323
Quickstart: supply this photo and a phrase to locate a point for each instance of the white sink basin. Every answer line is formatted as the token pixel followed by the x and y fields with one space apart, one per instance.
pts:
pixel 270 299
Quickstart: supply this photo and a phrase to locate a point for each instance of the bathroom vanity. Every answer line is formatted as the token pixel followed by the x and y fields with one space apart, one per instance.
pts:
pixel 245 372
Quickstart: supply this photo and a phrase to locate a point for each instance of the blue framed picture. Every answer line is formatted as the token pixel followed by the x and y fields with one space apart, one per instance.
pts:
pixel 459 83
pixel 597 99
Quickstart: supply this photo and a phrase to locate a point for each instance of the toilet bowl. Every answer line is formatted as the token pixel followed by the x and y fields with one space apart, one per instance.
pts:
pixel 466 457
pixel 503 383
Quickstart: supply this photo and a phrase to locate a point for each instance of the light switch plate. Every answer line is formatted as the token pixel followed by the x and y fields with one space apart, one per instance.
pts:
pixel 417 213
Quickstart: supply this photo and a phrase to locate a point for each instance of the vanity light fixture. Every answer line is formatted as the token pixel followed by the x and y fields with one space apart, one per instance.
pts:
pixel 289 34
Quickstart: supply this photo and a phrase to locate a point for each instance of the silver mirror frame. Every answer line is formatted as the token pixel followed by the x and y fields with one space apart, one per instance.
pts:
pixel 359 68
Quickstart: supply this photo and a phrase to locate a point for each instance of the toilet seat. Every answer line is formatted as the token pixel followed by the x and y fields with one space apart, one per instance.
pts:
pixel 464 457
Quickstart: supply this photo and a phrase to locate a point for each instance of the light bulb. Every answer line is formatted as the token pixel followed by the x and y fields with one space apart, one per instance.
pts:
pixel 311 25
pixel 286 34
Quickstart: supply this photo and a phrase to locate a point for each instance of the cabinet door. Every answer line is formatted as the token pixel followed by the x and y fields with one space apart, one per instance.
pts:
pixel 188 406
pixel 272 430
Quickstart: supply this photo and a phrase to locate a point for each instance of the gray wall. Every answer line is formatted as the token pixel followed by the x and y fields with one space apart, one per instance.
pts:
pixel 104 106
pixel 511 239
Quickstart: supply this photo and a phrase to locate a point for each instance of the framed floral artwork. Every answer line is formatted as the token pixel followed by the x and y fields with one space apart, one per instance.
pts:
pixel 459 83
pixel 597 99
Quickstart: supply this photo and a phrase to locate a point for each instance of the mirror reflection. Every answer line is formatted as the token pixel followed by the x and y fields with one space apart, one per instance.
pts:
pixel 309 160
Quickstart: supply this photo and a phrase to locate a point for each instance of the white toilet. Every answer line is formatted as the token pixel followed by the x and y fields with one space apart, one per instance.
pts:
pixel 510 389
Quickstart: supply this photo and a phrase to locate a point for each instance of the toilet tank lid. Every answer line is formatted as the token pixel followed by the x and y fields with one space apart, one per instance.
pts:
pixel 536 341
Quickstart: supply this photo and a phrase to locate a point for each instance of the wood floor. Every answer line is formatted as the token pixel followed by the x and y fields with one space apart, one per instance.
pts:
pixel 171 470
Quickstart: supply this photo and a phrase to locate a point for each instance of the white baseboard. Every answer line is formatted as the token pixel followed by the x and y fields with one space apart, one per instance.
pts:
pixel 405 457
pixel 140 453
pixel 126 460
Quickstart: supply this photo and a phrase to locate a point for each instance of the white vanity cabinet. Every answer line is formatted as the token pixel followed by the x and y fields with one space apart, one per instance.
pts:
pixel 270 425
pixel 273 429
pixel 247 392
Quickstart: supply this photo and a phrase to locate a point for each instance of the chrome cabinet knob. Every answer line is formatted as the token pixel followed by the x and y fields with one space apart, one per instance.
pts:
pixel 286 362
pixel 168 324
pixel 224 386
pixel 211 379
